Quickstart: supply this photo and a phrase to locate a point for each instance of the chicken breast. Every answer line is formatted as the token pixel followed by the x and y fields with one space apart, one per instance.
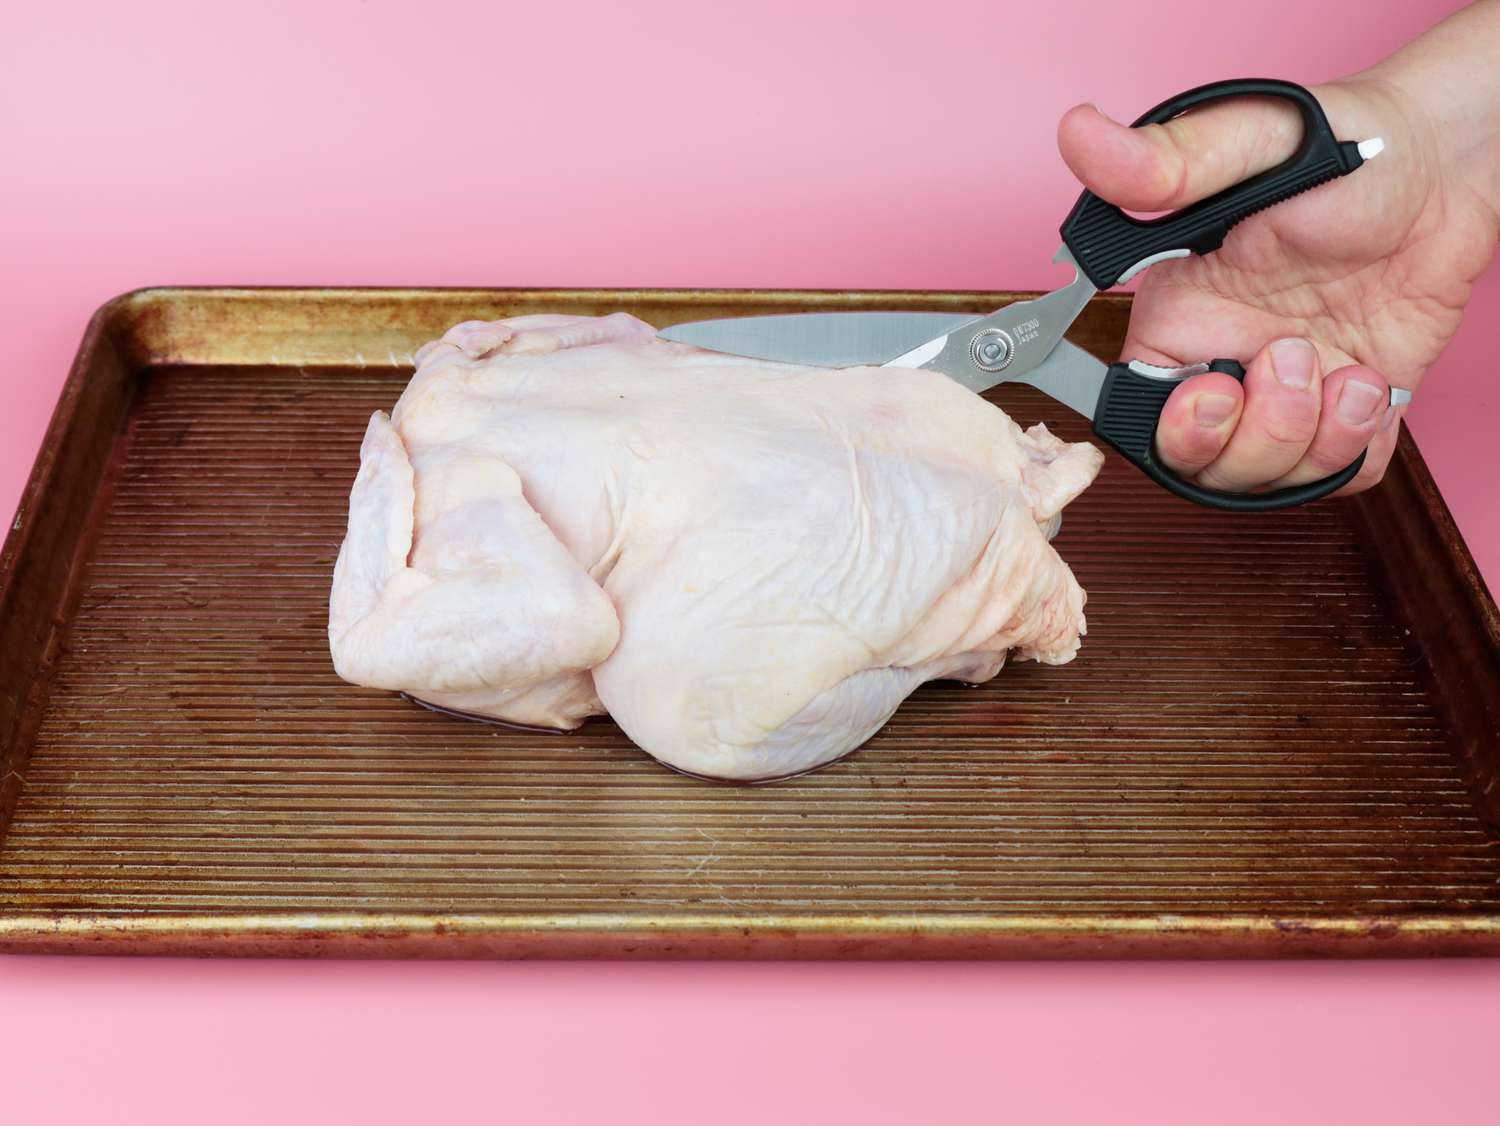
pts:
pixel 747 565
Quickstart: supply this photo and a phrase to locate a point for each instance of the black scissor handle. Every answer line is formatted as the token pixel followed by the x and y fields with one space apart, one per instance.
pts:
pixel 1107 243
pixel 1130 405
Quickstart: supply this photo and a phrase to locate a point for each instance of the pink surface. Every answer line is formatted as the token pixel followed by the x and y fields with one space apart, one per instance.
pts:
pixel 677 144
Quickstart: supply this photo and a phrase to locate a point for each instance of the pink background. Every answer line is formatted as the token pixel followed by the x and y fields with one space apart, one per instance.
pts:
pixel 835 144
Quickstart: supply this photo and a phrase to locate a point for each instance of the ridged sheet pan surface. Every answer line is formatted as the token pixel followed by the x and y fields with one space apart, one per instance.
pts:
pixel 1249 749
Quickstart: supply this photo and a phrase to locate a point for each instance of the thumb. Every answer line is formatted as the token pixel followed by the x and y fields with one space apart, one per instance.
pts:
pixel 1165 167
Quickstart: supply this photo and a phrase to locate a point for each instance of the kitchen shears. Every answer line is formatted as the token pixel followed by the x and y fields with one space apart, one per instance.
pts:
pixel 1024 341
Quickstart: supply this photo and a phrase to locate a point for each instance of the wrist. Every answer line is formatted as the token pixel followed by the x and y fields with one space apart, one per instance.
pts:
pixel 1446 86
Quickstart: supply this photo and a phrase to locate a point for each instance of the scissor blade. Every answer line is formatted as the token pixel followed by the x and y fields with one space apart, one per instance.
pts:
pixel 1071 376
pixel 821 339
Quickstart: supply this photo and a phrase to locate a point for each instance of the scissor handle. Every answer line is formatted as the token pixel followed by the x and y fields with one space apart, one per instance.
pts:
pixel 1111 246
pixel 1130 404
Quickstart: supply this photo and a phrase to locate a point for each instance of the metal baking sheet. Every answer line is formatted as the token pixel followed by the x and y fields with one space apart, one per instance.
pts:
pixel 1267 746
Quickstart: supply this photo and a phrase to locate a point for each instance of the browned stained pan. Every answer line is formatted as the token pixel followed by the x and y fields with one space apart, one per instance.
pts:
pixel 1268 746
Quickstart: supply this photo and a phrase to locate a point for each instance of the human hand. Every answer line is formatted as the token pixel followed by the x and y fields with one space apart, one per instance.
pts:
pixel 1337 294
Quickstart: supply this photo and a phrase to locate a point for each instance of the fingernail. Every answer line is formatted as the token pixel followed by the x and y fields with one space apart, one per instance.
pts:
pixel 1292 359
pixel 1358 402
pixel 1212 411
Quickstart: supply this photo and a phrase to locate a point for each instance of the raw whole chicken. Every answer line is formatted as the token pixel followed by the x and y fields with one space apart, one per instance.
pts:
pixel 747 565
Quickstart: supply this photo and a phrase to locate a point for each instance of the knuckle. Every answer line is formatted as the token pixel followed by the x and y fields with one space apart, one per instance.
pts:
pixel 1173 169
pixel 1369 478
pixel 1331 457
pixel 1202 444
pixel 1192 448
pixel 1213 478
pixel 1289 429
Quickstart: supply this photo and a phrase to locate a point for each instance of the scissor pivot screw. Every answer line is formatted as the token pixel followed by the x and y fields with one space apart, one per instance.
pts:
pixel 991 349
